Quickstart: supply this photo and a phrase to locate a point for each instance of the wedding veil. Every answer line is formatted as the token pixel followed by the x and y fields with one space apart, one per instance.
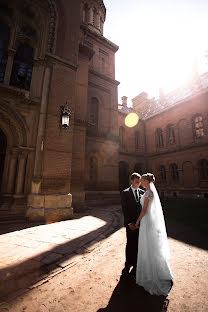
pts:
pixel 157 225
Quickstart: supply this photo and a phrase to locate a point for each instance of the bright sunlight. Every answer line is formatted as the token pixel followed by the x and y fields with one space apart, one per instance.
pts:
pixel 160 43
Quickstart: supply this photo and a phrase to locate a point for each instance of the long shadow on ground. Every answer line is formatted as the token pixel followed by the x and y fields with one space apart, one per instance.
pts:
pixel 186 234
pixel 186 220
pixel 24 274
pixel 127 296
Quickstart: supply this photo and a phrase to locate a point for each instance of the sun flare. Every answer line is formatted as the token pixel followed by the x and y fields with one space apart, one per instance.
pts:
pixel 131 120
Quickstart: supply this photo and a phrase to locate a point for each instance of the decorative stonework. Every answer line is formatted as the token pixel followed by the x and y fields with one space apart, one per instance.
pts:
pixel 15 124
pixel 52 26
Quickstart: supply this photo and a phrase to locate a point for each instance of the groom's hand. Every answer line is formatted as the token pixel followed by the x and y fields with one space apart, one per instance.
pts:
pixel 132 226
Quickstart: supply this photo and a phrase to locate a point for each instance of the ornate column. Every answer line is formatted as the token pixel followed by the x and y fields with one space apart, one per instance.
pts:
pixel 101 26
pixel 12 171
pixel 41 130
pixel 19 187
pixel 11 54
pixel 91 16
pixel 97 20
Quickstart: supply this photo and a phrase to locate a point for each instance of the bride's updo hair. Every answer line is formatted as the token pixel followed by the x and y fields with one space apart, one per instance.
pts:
pixel 149 177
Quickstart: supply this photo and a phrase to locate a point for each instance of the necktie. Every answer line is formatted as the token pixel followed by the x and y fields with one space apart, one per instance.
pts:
pixel 137 198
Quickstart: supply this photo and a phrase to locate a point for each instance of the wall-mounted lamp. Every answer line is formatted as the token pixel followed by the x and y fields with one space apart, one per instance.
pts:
pixel 65 116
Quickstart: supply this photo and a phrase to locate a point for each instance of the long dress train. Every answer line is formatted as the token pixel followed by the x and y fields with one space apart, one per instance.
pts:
pixel 153 271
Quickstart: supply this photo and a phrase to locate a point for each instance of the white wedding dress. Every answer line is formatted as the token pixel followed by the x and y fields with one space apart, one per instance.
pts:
pixel 153 271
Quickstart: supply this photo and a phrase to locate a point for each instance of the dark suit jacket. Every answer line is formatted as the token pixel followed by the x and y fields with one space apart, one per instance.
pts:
pixel 131 209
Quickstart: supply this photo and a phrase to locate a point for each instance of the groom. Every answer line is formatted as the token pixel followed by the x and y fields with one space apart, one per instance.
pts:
pixel 130 202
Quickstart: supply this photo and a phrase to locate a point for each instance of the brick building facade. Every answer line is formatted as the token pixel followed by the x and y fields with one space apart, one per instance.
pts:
pixel 53 53
pixel 171 140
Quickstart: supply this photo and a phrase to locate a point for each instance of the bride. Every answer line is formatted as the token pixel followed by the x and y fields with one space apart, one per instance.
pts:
pixel 153 271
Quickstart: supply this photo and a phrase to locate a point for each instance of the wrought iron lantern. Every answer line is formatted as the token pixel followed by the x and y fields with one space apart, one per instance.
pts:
pixel 65 116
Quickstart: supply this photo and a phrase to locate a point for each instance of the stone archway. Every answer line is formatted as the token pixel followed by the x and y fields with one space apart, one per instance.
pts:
pixel 123 175
pixel 13 159
pixel 188 174
pixel 138 168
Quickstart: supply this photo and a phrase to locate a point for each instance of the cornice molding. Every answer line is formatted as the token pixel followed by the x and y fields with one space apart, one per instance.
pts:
pixel 107 136
pixel 55 58
pixel 94 85
pixel 101 76
pixel 177 149
pixel 173 106
pixel 99 38
pixel 86 49
pixel 22 95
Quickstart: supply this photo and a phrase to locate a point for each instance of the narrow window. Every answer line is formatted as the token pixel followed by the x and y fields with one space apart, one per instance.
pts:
pixel 159 137
pixel 203 169
pixel 198 126
pixel 22 67
pixel 94 112
pixel 174 173
pixel 170 133
pixel 4 40
pixel 162 174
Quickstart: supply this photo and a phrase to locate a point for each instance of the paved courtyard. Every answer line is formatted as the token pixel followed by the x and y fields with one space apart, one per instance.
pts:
pixel 75 265
pixel 28 252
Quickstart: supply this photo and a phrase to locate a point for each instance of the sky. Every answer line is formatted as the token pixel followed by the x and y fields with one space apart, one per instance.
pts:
pixel 159 43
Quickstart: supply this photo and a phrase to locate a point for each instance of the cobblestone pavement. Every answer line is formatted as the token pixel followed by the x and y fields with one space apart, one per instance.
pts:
pixel 29 252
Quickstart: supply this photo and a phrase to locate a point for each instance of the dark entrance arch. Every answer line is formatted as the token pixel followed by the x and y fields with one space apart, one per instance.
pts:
pixel 123 175
pixel 3 146
pixel 138 168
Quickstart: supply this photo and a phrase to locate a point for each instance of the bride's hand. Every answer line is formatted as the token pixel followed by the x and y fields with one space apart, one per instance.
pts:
pixel 137 223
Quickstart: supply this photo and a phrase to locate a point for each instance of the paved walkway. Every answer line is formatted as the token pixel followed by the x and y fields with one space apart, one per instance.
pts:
pixel 30 251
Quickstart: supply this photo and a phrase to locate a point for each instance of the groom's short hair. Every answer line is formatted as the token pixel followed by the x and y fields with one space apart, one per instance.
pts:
pixel 135 175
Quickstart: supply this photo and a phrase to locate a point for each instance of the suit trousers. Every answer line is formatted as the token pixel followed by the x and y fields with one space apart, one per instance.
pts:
pixel 131 247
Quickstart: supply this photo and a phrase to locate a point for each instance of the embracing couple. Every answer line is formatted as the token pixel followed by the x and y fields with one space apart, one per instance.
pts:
pixel 147 248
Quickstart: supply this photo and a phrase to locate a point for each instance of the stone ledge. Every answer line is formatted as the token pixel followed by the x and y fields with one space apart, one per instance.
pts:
pixel 53 207
pixel 50 215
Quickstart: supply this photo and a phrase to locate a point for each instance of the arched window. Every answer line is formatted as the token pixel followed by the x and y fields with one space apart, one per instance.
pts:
pixel 94 17
pixel 198 126
pixel 123 175
pixel 174 173
pixel 4 40
pixel 22 67
pixel 93 114
pixel 170 134
pixel 93 170
pixel 159 137
pixel 162 174
pixel 203 169
pixel 99 22
pixel 136 140
pixel 29 32
pixel 121 136
pixel 138 168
